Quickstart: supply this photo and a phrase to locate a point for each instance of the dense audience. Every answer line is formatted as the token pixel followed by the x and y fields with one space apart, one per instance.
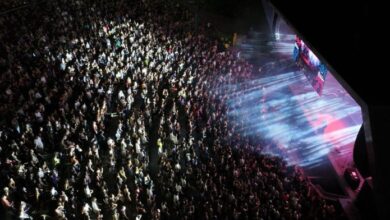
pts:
pixel 6 5
pixel 117 110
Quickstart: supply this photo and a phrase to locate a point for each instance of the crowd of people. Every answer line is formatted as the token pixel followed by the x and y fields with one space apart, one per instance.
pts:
pixel 13 4
pixel 111 110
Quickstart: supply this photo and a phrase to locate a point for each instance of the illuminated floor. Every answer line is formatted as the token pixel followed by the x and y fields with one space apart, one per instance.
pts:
pixel 280 106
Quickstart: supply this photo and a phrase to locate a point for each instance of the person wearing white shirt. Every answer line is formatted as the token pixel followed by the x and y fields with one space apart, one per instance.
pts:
pixel 38 143
pixel 59 211
pixel 178 188
pixel 23 211
pixel 138 217
pixel 176 199
pixel 88 192
pixel 123 213
pixel 138 146
pixel 53 193
pixel 177 167
pixel 95 207
pixel 85 211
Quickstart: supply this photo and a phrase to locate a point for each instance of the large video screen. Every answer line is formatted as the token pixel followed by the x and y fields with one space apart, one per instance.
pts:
pixel 314 70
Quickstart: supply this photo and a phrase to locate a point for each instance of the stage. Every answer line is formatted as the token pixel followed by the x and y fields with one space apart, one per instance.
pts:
pixel 281 108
